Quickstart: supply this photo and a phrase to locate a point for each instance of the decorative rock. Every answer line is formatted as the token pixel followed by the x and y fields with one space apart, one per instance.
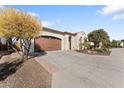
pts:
pixel 4 59
pixel 15 55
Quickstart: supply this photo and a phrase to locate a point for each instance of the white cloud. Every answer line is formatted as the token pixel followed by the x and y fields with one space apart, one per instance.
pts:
pixel 118 17
pixel 51 23
pixel 112 9
pixel 33 14
pixel 116 11
pixel 47 23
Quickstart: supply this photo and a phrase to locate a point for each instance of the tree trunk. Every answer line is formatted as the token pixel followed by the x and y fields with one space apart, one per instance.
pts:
pixel 22 57
pixel 26 54
pixel 27 44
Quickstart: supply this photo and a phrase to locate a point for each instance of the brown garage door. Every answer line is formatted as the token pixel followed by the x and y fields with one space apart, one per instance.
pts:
pixel 47 43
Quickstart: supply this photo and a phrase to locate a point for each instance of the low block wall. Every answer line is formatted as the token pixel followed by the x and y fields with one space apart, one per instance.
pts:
pixel 46 65
pixel 48 71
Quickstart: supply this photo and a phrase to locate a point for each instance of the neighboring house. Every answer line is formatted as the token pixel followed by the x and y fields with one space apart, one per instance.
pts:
pixel 51 40
pixel 91 43
pixel 3 44
pixel 100 45
pixel 121 44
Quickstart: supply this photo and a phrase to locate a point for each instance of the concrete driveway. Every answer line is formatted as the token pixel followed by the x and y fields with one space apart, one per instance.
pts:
pixel 82 70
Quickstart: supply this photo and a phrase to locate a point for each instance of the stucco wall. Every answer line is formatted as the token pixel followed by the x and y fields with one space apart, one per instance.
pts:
pixel 77 39
pixel 66 42
pixel 72 42
pixel 32 46
pixel 3 40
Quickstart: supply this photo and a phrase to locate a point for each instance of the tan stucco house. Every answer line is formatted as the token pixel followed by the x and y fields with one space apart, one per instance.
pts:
pixel 51 40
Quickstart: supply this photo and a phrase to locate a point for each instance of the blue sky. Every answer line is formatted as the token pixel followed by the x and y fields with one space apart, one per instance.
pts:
pixel 80 18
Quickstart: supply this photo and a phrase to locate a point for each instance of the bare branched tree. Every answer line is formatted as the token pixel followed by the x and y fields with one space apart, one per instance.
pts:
pixel 19 25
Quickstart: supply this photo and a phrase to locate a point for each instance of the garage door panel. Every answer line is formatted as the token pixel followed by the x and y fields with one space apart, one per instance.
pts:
pixel 48 44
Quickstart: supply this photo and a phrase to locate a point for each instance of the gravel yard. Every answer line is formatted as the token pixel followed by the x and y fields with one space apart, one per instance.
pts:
pixel 29 74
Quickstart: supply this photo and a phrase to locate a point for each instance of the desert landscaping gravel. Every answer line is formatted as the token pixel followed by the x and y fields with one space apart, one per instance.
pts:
pixel 30 74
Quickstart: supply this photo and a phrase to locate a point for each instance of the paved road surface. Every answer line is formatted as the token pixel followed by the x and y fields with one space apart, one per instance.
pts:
pixel 82 70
